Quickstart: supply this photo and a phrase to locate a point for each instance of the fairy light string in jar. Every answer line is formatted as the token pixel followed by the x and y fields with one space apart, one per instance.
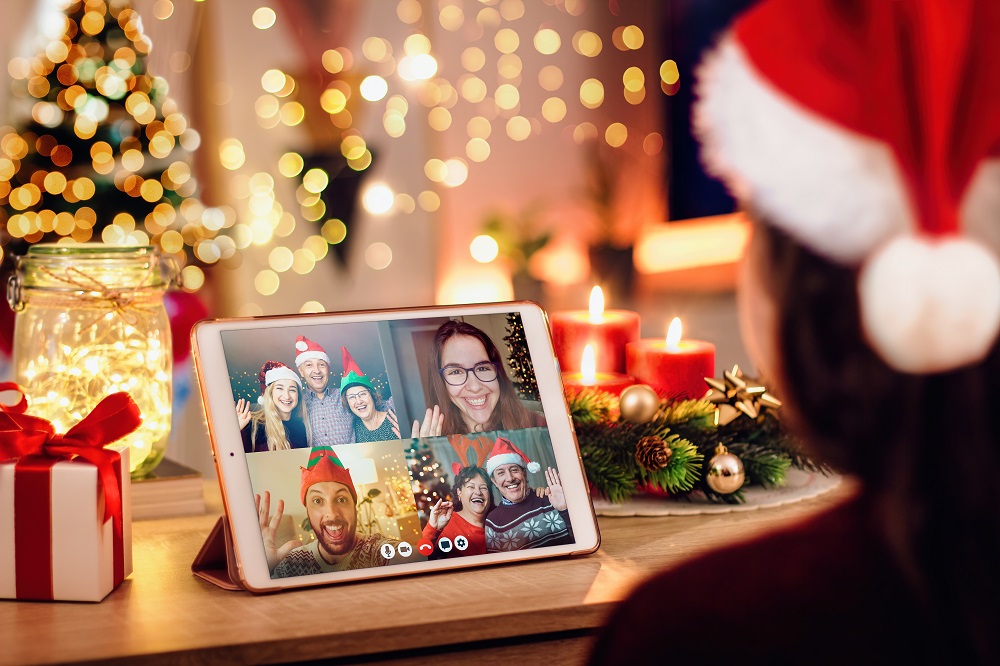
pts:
pixel 91 322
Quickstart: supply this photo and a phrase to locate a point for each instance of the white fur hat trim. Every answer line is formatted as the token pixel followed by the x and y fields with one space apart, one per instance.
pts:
pixel 280 372
pixel 930 304
pixel 836 191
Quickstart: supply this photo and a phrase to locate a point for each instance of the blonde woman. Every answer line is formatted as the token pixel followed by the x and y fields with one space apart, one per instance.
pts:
pixel 281 423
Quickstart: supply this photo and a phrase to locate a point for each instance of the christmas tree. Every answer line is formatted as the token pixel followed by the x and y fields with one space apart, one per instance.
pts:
pixel 103 154
pixel 430 482
pixel 519 359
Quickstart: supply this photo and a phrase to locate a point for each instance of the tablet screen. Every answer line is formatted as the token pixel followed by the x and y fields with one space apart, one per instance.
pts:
pixel 377 443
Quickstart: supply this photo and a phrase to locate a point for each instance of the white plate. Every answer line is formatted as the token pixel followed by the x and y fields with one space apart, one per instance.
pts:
pixel 799 485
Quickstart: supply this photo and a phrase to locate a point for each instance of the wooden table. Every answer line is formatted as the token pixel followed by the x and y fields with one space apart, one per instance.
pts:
pixel 536 613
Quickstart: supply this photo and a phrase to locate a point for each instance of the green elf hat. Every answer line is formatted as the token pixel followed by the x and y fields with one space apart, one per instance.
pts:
pixel 324 465
pixel 352 373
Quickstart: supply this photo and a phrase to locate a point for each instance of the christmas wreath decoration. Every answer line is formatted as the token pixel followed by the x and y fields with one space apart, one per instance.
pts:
pixel 640 442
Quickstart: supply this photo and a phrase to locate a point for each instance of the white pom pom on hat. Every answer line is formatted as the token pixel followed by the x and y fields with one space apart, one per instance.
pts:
pixel 307 349
pixel 843 143
pixel 929 305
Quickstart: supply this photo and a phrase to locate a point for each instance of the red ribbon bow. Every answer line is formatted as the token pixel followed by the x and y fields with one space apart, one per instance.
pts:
pixel 37 447
pixel 114 417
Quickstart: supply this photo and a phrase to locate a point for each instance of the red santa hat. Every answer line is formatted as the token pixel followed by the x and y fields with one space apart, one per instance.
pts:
pixel 306 349
pixel 271 372
pixel 504 453
pixel 324 465
pixel 869 133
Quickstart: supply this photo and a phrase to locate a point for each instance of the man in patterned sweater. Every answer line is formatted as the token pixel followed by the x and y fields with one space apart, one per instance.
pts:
pixel 331 504
pixel 524 520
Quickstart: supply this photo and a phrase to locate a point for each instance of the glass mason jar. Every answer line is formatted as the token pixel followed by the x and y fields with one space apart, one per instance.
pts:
pixel 91 322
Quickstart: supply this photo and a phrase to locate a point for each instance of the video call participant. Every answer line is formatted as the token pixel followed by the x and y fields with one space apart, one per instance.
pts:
pixel 282 422
pixel 369 423
pixel 330 419
pixel 466 516
pixel 330 499
pixel 524 519
pixel 469 388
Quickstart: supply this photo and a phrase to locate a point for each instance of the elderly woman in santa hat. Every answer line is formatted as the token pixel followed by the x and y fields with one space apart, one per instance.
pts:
pixel 863 139
pixel 281 422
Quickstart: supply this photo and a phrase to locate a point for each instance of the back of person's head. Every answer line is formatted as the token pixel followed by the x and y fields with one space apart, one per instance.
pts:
pixel 876 259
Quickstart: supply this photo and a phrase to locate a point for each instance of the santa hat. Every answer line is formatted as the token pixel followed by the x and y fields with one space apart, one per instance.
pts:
pixel 324 465
pixel 868 132
pixel 504 453
pixel 271 372
pixel 352 373
pixel 306 349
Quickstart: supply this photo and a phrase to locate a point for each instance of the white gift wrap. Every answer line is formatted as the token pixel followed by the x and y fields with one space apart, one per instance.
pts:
pixel 82 552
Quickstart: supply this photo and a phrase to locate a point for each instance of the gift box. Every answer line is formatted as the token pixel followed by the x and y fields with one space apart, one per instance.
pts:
pixel 65 518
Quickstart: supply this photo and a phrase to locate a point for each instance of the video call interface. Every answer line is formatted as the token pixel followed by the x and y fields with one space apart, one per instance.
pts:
pixel 380 443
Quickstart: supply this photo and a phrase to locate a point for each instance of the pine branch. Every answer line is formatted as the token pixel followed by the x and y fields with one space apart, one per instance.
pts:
pixel 592 406
pixel 681 473
pixel 691 413
pixel 764 467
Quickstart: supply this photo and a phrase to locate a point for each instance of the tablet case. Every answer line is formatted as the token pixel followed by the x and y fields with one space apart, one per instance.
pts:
pixel 216 561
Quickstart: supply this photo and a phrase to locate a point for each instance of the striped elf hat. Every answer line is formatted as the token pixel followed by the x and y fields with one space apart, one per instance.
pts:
pixel 324 465
pixel 870 132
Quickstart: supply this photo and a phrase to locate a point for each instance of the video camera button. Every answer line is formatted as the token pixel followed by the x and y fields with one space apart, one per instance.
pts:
pixel 404 549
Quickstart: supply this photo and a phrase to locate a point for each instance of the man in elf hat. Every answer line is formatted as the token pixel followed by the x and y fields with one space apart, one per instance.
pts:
pixel 332 422
pixel 330 499
pixel 523 519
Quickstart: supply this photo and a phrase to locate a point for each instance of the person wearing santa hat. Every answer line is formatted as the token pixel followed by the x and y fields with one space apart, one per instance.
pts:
pixel 524 518
pixel 330 418
pixel 370 423
pixel 281 422
pixel 862 138
pixel 328 493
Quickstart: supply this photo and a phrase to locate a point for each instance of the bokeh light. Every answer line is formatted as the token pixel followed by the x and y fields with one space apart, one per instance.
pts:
pixel 378 199
pixel 484 249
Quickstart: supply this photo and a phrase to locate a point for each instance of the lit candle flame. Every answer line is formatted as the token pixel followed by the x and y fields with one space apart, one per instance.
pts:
pixel 596 305
pixel 674 334
pixel 588 365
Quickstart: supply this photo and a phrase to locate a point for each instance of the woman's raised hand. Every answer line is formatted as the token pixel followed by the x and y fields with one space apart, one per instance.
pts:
pixel 432 425
pixel 243 412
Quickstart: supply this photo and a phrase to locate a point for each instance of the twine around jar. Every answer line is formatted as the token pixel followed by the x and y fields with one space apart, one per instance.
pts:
pixel 121 299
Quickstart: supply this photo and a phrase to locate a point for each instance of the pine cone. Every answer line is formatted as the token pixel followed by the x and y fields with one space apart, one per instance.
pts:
pixel 652 453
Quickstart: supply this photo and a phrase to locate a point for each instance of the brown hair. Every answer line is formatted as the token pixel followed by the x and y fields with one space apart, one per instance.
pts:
pixel 509 413
pixel 926 447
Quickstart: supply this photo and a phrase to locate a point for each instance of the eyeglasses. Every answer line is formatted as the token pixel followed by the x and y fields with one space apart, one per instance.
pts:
pixel 359 394
pixel 456 375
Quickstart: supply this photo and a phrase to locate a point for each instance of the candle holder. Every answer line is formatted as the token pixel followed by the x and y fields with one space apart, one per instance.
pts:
pixel 91 322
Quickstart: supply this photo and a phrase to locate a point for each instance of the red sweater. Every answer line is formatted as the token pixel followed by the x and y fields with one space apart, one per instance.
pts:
pixel 457 526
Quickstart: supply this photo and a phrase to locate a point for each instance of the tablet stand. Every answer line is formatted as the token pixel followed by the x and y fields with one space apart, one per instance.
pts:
pixel 216 561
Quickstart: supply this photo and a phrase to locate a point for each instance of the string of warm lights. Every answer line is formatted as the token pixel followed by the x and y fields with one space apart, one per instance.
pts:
pixel 103 147
pixel 407 85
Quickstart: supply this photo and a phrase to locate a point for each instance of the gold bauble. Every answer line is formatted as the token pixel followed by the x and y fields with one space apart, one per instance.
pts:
pixel 725 473
pixel 638 403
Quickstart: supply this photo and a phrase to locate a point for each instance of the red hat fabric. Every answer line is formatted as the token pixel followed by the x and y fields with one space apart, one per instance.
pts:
pixel 504 453
pixel 272 371
pixel 324 465
pixel 306 349
pixel 352 373
pixel 868 131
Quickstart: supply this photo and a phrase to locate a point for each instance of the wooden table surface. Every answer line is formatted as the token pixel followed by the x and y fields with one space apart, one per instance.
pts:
pixel 528 611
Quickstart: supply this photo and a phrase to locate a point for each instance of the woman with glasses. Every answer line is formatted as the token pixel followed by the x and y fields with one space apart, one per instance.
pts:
pixel 361 398
pixel 469 388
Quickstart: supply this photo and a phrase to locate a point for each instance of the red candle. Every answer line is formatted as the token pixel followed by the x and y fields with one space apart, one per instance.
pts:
pixel 608 331
pixel 674 367
pixel 588 377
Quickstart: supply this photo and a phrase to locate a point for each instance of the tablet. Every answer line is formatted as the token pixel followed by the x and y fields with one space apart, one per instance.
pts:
pixel 360 445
